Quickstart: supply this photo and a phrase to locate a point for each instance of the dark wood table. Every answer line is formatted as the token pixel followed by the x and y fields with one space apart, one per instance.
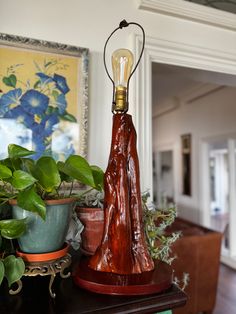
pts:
pixel 70 299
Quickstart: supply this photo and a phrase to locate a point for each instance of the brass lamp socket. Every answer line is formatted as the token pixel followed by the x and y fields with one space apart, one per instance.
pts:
pixel 120 104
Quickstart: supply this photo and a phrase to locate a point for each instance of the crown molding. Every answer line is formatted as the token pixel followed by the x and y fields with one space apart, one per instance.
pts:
pixel 182 54
pixel 190 11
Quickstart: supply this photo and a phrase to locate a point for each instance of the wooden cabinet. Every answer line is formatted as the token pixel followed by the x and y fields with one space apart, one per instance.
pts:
pixel 198 254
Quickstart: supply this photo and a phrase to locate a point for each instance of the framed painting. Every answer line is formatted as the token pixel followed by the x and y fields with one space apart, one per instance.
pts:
pixel 43 96
pixel 186 143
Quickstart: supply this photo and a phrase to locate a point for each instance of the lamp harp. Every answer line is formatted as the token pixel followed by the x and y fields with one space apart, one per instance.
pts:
pixel 120 100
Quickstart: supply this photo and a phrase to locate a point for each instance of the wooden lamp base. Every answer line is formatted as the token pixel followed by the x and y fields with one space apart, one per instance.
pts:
pixel 151 282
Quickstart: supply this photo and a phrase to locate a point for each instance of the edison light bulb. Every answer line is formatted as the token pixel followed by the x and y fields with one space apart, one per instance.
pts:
pixel 122 62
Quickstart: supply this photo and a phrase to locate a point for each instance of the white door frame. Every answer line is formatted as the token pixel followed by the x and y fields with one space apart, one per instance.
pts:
pixel 232 196
pixel 204 185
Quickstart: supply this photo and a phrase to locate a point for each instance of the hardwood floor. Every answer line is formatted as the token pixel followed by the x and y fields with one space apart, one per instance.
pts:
pixel 226 292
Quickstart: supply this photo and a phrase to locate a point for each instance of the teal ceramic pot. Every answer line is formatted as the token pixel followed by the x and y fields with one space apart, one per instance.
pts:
pixel 49 235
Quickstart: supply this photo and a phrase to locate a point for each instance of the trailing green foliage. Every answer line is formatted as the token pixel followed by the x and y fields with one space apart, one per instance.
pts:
pixel 32 182
pixel 91 199
pixel 12 228
pixel 159 241
pixel 156 220
pixel 10 267
pixel 183 282
pixel 14 268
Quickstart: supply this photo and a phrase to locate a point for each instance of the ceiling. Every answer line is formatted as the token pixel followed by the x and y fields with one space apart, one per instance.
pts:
pixel 224 5
pixel 170 80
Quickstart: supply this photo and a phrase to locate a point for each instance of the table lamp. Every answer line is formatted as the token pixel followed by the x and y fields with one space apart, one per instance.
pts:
pixel 122 264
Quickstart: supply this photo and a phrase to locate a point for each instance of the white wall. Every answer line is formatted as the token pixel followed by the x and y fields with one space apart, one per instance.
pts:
pixel 206 118
pixel 87 23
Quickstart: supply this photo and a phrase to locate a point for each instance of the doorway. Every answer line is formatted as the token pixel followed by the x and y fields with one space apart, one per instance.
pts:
pixel 219 179
pixel 201 105
pixel 220 62
pixel 163 177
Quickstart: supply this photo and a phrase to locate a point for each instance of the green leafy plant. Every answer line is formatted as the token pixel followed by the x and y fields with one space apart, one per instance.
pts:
pixel 91 199
pixel 156 220
pixel 11 267
pixel 183 282
pixel 32 182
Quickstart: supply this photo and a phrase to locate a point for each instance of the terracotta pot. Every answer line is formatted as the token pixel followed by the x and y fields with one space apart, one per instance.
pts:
pixel 93 221
pixel 43 257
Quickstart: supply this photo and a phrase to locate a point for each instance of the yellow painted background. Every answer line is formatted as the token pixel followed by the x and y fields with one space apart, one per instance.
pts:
pixel 11 56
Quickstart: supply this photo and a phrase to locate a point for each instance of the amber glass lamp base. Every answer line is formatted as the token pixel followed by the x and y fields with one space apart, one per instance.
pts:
pixel 150 282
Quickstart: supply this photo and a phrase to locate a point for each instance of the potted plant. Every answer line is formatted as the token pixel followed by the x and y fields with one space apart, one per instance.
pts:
pixel 89 209
pixel 156 222
pixel 11 267
pixel 44 192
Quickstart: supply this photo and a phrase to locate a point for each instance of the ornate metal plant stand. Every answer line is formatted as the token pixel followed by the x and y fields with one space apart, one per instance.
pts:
pixel 46 268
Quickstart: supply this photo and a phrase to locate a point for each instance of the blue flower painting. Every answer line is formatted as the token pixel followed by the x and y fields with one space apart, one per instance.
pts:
pixel 39 106
pixel 34 102
pixel 61 83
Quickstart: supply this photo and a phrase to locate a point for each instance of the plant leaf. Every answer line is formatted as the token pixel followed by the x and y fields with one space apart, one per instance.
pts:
pixel 14 268
pixel 55 94
pixel 12 228
pixel 5 172
pixel 64 177
pixel 47 64
pixel 31 201
pixel 13 164
pixel 98 176
pixel 27 165
pixel 36 84
pixel 10 80
pixel 68 117
pixel 21 180
pixel 47 173
pixel 51 110
pixel 2 271
pixel 78 168
pixel 15 151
